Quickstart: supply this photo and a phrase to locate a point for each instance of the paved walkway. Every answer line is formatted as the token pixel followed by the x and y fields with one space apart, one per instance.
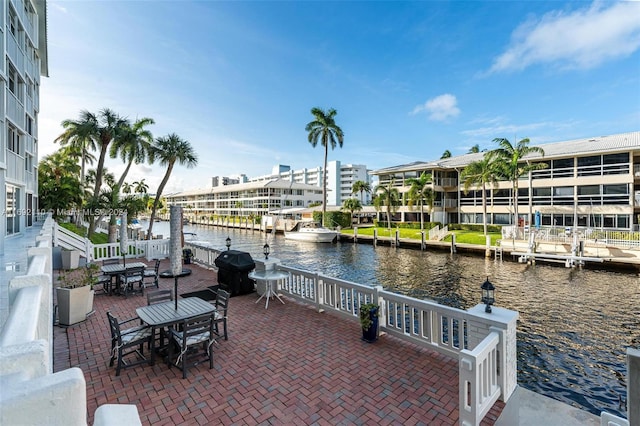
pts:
pixel 285 365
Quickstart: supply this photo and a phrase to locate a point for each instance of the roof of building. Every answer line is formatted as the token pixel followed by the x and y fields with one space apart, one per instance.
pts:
pixel 276 183
pixel 595 145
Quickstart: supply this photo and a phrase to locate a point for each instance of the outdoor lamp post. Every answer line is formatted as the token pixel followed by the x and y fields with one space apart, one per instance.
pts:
pixel 266 250
pixel 228 243
pixel 487 295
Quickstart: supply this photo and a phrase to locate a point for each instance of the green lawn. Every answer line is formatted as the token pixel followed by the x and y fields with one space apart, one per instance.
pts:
pixel 462 236
pixel 97 238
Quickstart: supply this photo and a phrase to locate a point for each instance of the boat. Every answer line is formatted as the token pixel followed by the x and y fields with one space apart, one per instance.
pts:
pixel 311 232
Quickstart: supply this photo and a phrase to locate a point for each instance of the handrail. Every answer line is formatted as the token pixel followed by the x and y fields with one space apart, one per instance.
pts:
pixel 479 388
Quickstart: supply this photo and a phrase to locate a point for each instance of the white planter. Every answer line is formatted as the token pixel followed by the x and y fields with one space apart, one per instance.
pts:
pixel 73 304
pixel 70 259
pixel 92 293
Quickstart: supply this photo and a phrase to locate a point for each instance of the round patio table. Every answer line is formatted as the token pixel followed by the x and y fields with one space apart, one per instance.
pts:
pixel 270 278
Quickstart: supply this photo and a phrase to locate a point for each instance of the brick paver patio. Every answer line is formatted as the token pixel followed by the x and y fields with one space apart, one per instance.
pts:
pixel 284 365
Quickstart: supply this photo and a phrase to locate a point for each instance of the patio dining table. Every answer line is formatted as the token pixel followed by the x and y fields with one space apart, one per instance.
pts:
pixel 117 269
pixel 165 314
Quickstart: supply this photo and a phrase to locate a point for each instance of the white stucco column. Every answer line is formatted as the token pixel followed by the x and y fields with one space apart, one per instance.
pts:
pixel 175 239
pixel 504 322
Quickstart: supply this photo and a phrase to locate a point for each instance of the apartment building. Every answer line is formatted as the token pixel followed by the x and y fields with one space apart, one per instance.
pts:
pixel 23 26
pixel 246 199
pixel 587 183
pixel 340 179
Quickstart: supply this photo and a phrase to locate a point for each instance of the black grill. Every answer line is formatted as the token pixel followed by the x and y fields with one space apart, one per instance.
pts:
pixel 233 272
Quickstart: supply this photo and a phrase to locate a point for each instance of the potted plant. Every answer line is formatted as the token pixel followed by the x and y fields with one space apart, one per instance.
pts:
pixel 75 294
pixel 369 322
pixel 187 254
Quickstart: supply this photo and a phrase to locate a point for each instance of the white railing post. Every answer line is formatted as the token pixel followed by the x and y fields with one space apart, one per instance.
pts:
pixel 503 322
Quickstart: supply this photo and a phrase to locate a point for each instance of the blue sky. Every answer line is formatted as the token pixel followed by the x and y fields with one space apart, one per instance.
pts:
pixel 409 79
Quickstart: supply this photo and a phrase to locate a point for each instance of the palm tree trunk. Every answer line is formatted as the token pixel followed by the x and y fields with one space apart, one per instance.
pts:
pixel 96 189
pixel 421 216
pixel 156 202
pixel 124 174
pixel 324 182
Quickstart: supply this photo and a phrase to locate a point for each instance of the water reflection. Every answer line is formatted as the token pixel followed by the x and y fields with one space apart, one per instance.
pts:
pixel 574 325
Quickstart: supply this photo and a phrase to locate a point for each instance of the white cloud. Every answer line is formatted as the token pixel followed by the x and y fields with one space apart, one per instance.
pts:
pixel 582 39
pixel 439 108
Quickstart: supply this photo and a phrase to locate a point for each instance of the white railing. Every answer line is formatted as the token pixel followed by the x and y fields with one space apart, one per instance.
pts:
pixel 31 392
pixel 564 235
pixel 479 388
pixel 450 331
pixel 67 239
pixel 434 232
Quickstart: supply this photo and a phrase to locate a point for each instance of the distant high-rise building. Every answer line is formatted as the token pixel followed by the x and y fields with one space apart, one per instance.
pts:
pixel 340 179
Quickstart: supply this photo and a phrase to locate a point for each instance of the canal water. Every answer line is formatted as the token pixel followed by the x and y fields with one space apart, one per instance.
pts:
pixel 574 327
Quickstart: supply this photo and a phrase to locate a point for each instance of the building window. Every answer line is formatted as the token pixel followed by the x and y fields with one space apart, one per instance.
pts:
pixel 13 23
pixel 13 140
pixel 28 124
pixel 12 207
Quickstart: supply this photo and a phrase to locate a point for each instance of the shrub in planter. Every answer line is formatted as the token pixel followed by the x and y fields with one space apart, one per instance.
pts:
pixel 187 254
pixel 75 294
pixel 369 322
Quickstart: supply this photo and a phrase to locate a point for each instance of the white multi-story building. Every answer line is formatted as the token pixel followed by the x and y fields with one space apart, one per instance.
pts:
pixel 24 53
pixel 587 183
pixel 340 179
pixel 246 199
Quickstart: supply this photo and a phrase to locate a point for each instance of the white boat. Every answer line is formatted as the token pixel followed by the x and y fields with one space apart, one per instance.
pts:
pixel 311 232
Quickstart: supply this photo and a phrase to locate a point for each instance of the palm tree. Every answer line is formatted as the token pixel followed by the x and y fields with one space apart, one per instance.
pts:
pixel 323 129
pixel 59 182
pixel 351 205
pixel 389 197
pixel 446 154
pixel 361 187
pixel 482 172
pixel 168 150
pixel 132 145
pixel 421 192
pixel 98 131
pixel 140 187
pixel 474 149
pixel 511 158
pixel 126 188
pixel 77 135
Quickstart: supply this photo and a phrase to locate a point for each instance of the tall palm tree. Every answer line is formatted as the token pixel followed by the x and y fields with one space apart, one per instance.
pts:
pixel 421 192
pixel 324 130
pixel 480 173
pixel 168 150
pixel 132 145
pixel 351 205
pixel 101 129
pixel 474 149
pixel 389 197
pixel 361 187
pixel 511 157
pixel 77 135
pixel 446 154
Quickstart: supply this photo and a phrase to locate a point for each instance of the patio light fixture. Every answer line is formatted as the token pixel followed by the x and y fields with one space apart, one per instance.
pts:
pixel 487 295
pixel 266 250
pixel 228 242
